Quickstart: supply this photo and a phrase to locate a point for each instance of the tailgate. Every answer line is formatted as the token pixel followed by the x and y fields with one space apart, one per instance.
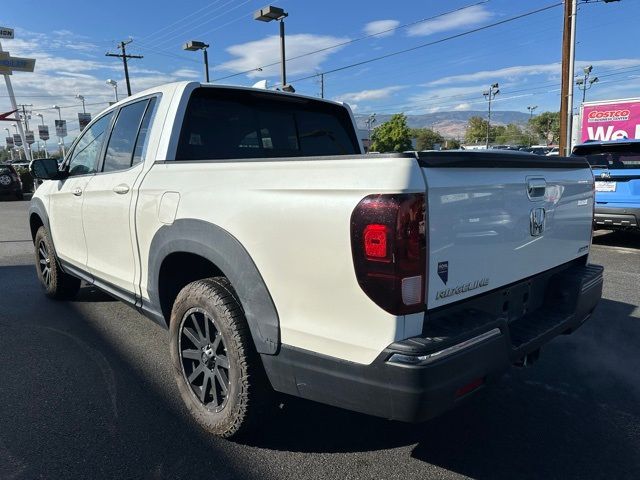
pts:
pixel 617 186
pixel 495 219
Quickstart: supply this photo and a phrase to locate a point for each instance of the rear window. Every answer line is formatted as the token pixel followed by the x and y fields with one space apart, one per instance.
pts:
pixel 614 161
pixel 623 156
pixel 229 124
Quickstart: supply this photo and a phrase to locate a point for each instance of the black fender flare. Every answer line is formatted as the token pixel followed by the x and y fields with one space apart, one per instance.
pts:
pixel 223 250
pixel 36 206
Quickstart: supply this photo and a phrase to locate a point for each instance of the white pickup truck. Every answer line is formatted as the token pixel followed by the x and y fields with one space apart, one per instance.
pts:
pixel 280 257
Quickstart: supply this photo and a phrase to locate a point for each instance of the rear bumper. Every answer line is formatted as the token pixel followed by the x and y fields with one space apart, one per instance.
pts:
pixel 617 217
pixel 419 378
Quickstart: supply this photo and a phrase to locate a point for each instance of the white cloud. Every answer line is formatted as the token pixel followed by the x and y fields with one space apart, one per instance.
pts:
pixel 379 26
pixel 369 95
pixel 467 17
pixel 462 107
pixel 187 74
pixel 254 54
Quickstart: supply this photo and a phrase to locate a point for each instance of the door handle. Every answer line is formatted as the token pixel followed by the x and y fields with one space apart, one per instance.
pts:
pixel 121 189
pixel 536 187
pixel 77 191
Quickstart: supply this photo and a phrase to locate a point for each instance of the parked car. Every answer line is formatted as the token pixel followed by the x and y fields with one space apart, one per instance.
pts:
pixel 616 168
pixel 554 152
pixel 280 257
pixel 10 183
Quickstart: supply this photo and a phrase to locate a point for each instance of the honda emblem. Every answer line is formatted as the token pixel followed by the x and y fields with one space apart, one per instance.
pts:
pixel 537 221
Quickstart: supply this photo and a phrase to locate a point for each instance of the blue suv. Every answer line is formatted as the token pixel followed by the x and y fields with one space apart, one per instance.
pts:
pixel 616 169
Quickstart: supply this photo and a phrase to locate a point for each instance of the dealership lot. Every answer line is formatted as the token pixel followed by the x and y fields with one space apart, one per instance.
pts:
pixel 86 392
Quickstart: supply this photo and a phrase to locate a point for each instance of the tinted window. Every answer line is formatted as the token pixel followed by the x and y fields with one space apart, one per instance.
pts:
pixel 228 124
pixel 123 137
pixel 143 138
pixel 84 158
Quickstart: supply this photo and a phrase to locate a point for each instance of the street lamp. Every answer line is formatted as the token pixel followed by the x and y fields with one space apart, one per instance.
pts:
pixel 193 46
pixel 586 83
pixel 490 95
pixel 369 122
pixel 81 98
pixel 531 108
pixel 8 148
pixel 267 14
pixel 61 142
pixel 114 84
pixel 45 142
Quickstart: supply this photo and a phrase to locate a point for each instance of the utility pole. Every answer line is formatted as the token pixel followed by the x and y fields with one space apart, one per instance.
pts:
pixel 566 95
pixel 490 95
pixel 25 116
pixel 586 83
pixel 322 85
pixel 122 46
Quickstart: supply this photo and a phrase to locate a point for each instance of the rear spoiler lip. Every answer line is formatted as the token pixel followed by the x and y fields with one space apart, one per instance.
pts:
pixel 465 159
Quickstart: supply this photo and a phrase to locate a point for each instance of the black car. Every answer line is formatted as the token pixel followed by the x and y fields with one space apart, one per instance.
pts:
pixel 10 183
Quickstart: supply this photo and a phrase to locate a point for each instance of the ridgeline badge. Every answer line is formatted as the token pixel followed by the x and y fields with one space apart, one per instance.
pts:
pixel 465 287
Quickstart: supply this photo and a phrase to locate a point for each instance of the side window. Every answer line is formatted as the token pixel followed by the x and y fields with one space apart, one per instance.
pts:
pixel 122 142
pixel 143 138
pixel 84 158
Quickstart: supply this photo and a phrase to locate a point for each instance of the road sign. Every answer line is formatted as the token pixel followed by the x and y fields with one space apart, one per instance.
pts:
pixel 9 64
pixel 43 132
pixel 29 137
pixel 9 141
pixel 83 120
pixel 17 140
pixel 6 32
pixel 61 128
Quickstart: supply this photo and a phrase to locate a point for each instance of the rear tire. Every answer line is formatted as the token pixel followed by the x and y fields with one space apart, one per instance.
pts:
pixel 57 284
pixel 216 366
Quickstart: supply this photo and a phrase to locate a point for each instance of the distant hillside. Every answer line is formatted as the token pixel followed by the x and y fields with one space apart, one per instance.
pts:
pixel 451 124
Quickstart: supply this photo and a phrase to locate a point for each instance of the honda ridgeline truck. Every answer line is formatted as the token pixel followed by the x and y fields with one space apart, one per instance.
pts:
pixel 280 257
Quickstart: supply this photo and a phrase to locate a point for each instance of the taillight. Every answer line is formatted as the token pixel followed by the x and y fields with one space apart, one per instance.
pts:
pixel 388 242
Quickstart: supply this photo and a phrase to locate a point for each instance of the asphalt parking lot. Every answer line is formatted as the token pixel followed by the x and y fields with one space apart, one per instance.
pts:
pixel 86 392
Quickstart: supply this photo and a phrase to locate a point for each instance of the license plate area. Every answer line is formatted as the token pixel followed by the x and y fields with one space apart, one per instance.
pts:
pixel 606 186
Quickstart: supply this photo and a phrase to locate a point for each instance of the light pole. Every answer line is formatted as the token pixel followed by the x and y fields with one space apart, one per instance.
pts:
pixel 45 142
pixel 531 108
pixel 268 14
pixel 195 45
pixel 586 83
pixel 61 142
pixel 114 84
pixel 369 122
pixel 81 98
pixel 10 149
pixel 489 95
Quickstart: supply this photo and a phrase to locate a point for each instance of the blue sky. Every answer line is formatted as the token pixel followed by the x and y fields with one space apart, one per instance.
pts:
pixel 69 39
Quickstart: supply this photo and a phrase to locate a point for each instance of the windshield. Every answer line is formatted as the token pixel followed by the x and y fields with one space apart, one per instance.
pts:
pixel 613 160
pixel 236 124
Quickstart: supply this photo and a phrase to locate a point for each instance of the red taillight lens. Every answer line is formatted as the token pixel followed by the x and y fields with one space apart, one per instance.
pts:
pixel 388 242
pixel 375 242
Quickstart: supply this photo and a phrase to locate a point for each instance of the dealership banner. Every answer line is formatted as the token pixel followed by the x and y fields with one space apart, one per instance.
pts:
pixel 17 140
pixel 9 141
pixel 28 136
pixel 83 120
pixel 43 132
pixel 61 128
pixel 611 121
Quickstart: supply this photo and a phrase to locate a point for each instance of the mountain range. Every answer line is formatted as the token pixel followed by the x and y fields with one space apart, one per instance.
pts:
pixel 450 124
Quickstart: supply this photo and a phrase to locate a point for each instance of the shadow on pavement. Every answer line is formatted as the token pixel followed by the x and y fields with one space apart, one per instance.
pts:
pixel 617 239
pixel 76 404
pixel 74 407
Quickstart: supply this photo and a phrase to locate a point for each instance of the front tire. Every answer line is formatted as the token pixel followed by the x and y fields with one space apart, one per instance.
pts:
pixel 57 284
pixel 217 369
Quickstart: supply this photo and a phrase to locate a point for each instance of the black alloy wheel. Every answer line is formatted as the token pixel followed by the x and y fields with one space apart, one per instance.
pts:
pixel 205 365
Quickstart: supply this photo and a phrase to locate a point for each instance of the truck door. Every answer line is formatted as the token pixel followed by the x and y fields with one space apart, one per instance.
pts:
pixel 110 198
pixel 65 208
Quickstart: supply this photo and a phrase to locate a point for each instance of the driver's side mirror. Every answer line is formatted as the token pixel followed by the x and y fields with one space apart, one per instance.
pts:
pixel 46 169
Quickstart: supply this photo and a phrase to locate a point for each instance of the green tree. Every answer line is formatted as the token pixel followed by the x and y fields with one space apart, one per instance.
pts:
pixel 426 138
pixel 451 144
pixel 511 134
pixel 392 136
pixel 546 127
pixel 477 131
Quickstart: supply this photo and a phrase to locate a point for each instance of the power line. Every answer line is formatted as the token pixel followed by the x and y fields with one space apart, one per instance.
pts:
pixel 354 40
pixel 435 42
